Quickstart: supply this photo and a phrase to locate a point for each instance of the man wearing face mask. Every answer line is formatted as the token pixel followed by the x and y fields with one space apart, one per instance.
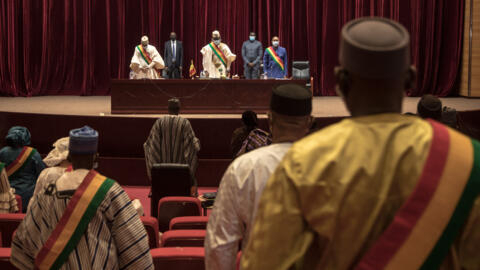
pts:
pixel 251 54
pixel 275 60
pixel 146 61
pixel 217 57
pixel 173 57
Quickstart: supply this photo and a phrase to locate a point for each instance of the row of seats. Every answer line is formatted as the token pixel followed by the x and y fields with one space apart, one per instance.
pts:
pixel 178 258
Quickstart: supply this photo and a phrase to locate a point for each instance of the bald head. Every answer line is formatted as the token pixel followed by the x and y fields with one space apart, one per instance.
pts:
pixel 375 66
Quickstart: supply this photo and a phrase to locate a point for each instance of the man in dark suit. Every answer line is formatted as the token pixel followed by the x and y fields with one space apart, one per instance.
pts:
pixel 173 57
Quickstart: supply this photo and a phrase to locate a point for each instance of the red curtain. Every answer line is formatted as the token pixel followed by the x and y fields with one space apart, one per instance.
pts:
pixel 56 47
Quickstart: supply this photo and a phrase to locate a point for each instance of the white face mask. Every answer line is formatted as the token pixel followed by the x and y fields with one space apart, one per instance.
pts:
pixel 275 43
pixel 217 42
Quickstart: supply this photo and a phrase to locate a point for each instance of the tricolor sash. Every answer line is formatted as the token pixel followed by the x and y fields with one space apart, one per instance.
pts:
pixel 144 54
pixel 74 221
pixel 26 154
pixel 275 57
pixel 218 53
pixel 426 225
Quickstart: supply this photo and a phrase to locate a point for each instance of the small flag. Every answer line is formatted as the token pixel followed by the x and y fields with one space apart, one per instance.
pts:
pixel 192 70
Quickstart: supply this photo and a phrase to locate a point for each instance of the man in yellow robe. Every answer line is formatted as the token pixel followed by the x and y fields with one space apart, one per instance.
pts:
pixel 217 57
pixel 337 191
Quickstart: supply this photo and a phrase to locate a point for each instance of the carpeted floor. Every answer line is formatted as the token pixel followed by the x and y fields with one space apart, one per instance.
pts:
pixel 100 106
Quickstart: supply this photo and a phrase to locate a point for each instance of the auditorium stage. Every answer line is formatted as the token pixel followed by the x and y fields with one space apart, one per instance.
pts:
pixel 100 106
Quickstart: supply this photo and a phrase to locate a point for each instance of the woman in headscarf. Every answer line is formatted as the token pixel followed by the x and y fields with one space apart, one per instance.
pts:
pixel 22 163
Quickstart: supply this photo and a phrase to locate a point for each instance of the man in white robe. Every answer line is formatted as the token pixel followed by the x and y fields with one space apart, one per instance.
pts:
pixel 243 182
pixel 114 237
pixel 217 57
pixel 146 61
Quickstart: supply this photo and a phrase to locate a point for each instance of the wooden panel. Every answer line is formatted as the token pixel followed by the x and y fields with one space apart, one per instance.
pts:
pixel 471 60
pixel 196 96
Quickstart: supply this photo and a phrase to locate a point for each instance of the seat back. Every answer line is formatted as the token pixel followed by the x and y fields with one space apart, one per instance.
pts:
pixel 183 238
pixel 151 226
pixel 171 207
pixel 5 254
pixel 8 224
pixel 179 258
pixel 169 179
pixel 301 70
pixel 189 223
pixel 19 202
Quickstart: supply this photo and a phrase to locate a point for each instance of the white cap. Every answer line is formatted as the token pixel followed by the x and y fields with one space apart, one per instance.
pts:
pixel 144 39
pixel 59 153
pixel 374 47
pixel 215 33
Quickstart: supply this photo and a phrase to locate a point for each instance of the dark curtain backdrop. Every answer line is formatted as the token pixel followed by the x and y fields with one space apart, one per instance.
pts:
pixel 55 47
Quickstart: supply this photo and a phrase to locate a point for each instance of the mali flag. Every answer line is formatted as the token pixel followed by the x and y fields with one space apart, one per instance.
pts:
pixel 192 70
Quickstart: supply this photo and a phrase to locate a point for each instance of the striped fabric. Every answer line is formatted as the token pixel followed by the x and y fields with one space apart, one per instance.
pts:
pixel 256 139
pixel 115 238
pixel 8 203
pixel 172 140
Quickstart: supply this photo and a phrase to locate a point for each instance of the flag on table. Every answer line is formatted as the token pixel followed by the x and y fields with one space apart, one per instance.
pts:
pixel 192 70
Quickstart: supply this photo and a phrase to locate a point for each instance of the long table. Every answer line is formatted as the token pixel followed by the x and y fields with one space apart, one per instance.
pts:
pixel 196 96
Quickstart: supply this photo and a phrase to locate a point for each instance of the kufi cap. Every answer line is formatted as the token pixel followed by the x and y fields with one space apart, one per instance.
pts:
pixel 83 141
pixel 59 152
pixel 291 100
pixel 216 33
pixel 374 47
pixel 18 136
pixel 144 39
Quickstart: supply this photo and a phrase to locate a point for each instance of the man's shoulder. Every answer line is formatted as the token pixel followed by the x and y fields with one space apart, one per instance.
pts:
pixel 261 155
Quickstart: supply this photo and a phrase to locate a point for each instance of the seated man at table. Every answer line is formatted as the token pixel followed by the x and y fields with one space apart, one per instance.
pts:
pixel 172 140
pixel 379 190
pixel 82 220
pixel 243 182
pixel 146 61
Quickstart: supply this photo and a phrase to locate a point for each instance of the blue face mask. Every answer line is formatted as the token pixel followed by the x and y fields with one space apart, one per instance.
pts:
pixel 275 43
pixel 216 42
pixel 252 38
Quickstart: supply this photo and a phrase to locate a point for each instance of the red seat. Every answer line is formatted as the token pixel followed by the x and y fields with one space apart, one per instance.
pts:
pixel 19 202
pixel 189 223
pixel 8 224
pixel 5 254
pixel 151 226
pixel 239 258
pixel 171 207
pixel 183 238
pixel 179 258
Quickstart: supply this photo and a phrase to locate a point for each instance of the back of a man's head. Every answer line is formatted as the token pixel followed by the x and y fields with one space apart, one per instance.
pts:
pixel 290 112
pixel 430 107
pixel 173 106
pixel 250 119
pixel 83 147
pixel 374 66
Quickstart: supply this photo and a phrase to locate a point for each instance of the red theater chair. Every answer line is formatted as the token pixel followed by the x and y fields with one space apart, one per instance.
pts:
pixel 189 223
pixel 183 238
pixel 171 207
pixel 5 254
pixel 179 258
pixel 19 202
pixel 151 226
pixel 8 224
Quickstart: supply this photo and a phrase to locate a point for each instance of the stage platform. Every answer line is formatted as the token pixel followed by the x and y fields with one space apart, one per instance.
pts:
pixel 100 106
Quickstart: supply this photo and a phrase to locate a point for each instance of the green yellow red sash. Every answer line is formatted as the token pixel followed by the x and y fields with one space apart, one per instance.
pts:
pixel 2 166
pixel 144 54
pixel 275 57
pixel 425 227
pixel 218 53
pixel 26 154
pixel 74 221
